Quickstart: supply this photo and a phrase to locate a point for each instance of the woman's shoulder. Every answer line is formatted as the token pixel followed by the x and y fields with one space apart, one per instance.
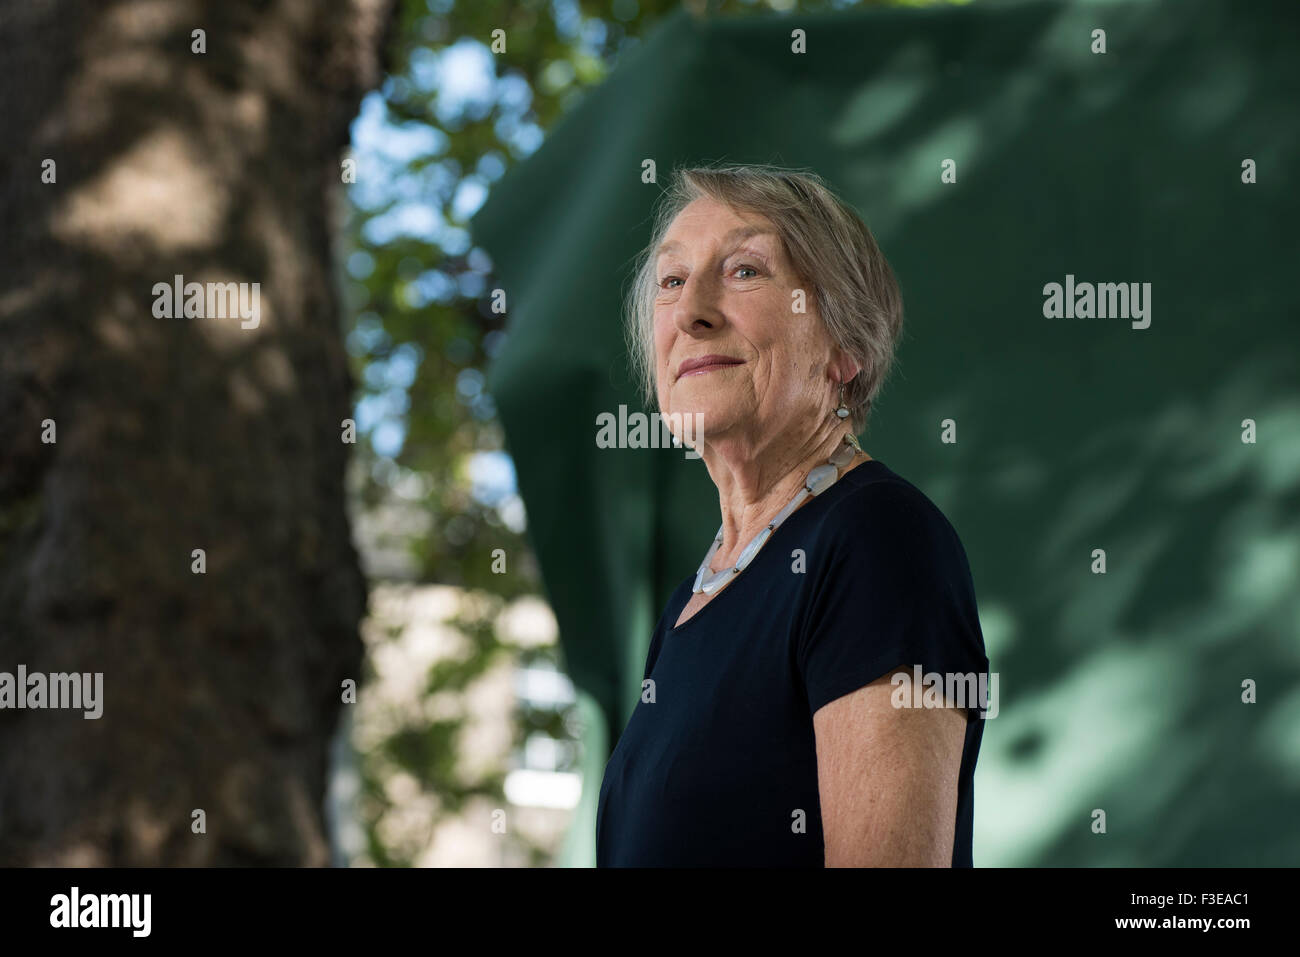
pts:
pixel 877 507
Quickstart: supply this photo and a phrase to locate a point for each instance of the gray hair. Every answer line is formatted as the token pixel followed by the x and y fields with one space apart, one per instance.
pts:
pixel 829 246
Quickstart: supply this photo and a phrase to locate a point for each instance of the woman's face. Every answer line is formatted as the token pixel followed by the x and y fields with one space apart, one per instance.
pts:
pixel 726 288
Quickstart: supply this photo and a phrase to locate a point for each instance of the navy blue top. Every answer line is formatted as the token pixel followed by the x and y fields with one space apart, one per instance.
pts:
pixel 717 765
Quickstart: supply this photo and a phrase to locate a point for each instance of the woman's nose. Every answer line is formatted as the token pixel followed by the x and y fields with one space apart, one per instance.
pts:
pixel 697 303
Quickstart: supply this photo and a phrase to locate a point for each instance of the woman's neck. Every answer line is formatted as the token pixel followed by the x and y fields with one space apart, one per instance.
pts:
pixel 754 487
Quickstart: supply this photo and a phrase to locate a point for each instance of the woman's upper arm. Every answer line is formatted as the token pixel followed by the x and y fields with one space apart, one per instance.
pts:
pixel 887 778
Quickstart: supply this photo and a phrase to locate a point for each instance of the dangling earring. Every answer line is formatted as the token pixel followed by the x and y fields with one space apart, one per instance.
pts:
pixel 842 411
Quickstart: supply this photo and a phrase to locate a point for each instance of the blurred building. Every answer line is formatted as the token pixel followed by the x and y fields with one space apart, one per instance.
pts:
pixel 408 633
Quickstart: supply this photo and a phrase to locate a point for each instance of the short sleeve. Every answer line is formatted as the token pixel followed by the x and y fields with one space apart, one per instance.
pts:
pixel 889 585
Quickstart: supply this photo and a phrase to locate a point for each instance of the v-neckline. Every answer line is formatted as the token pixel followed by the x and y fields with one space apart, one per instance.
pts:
pixel 708 604
pixel 731 585
pixel 676 613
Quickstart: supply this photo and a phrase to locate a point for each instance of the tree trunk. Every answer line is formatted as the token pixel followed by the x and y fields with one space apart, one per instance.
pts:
pixel 220 688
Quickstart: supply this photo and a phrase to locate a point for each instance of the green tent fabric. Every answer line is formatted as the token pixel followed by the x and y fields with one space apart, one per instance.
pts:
pixel 1123 690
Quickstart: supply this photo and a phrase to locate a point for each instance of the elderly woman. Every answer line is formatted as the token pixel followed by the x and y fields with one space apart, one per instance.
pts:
pixel 771 730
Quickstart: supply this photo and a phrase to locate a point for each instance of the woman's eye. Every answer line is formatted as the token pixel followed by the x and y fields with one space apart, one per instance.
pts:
pixel 747 269
pixel 663 283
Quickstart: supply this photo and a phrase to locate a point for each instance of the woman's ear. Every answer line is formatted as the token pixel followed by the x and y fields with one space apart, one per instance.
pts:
pixel 843 368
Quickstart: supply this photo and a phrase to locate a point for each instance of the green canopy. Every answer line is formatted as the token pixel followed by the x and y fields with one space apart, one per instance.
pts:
pixel 1121 690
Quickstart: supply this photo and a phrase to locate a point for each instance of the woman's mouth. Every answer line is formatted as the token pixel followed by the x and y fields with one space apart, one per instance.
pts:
pixel 703 364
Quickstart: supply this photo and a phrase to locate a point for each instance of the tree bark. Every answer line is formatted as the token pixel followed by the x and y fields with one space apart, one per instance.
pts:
pixel 221 690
